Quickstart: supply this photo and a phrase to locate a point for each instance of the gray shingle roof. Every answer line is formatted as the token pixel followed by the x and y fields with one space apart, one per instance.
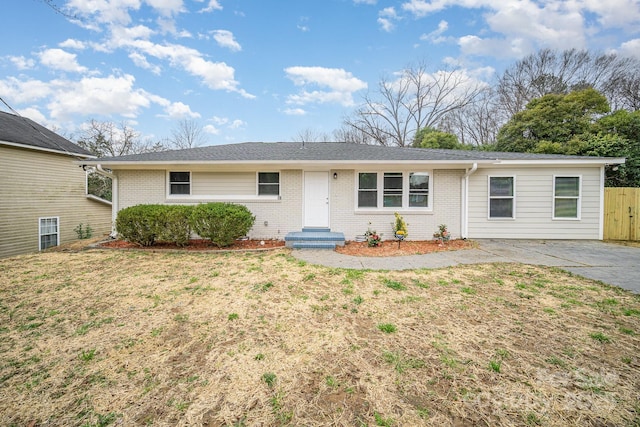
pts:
pixel 322 151
pixel 24 131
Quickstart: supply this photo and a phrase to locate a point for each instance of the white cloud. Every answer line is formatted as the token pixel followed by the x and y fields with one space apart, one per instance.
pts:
pixel 237 124
pixel 211 129
pixel 341 84
pixel 225 38
pixel 631 48
pixel 141 61
pixel 365 1
pixel 102 11
pixel 59 59
pixel 166 7
pixel 212 5
pixel 295 112
pixel 22 63
pixel 24 91
pixel 73 44
pixel 435 36
pixel 179 110
pixel 34 114
pixel 386 18
pixel 112 95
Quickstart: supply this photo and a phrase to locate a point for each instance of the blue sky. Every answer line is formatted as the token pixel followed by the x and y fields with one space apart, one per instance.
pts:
pixel 267 70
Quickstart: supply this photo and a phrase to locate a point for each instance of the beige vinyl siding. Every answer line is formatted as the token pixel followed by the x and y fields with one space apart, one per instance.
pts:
pixel 36 184
pixel 223 183
pixel 534 205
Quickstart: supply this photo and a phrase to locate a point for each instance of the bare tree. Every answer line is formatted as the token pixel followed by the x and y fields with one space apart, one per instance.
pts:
pixel 311 135
pixel 351 135
pixel 188 134
pixel 414 100
pixel 551 72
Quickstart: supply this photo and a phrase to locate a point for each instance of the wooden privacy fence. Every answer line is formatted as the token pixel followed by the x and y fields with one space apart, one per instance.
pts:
pixel 621 209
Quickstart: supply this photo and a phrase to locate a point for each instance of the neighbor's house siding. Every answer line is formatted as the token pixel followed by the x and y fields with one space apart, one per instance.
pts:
pixel 35 184
pixel 274 217
pixel 534 205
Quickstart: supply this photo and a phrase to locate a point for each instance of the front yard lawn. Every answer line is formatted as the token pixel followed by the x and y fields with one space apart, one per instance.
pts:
pixel 101 338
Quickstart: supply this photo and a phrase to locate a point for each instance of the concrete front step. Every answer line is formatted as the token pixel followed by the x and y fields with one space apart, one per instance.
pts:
pixel 314 239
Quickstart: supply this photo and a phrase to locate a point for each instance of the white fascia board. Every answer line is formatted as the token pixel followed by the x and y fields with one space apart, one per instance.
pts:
pixel 564 162
pixel 47 150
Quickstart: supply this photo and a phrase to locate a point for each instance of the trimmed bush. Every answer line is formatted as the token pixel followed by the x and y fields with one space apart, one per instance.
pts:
pixel 140 224
pixel 221 223
pixel 147 224
pixel 177 224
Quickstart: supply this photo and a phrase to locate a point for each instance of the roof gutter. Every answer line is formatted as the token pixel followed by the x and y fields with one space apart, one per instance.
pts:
pixel 464 226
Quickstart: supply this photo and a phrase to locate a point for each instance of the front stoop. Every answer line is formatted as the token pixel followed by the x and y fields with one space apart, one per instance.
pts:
pixel 314 238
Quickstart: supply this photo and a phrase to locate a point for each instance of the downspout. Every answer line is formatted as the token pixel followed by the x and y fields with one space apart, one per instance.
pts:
pixel 465 201
pixel 114 196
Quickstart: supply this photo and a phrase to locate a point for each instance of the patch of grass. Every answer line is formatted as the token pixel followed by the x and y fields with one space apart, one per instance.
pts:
pixel 103 420
pixel 381 421
pixel 495 365
pixel 259 356
pixel 394 284
pixel 627 331
pixel 87 356
pixel 263 287
pixel 387 328
pixel 181 318
pixel 270 379
pixel 331 381
pixel 233 316
pixel 631 312
pixel 400 362
pixel 82 330
pixel 556 361
pixel 468 290
pixel 309 277
pixel 600 337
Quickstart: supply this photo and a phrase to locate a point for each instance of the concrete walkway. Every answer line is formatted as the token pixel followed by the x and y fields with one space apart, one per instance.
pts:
pixel 612 264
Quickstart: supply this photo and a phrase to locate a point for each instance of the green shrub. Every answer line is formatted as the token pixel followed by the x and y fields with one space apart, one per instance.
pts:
pixel 141 224
pixel 177 224
pixel 221 223
pixel 147 224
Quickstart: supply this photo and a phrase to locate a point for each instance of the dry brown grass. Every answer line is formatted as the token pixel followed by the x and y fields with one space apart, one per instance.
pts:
pixel 259 339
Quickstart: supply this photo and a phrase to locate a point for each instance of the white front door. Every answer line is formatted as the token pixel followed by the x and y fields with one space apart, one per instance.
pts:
pixel 316 199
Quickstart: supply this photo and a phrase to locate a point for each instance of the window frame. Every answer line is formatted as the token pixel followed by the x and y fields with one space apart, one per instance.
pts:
pixel 259 184
pixel 381 192
pixel 41 235
pixel 170 183
pixel 512 197
pixel 577 198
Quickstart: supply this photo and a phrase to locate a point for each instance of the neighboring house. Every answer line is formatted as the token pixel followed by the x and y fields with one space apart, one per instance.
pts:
pixel 349 188
pixel 43 191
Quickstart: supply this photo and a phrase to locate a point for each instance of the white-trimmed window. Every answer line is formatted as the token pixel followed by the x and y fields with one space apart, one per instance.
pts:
pixel 48 232
pixel 179 183
pixel 502 197
pixel 393 190
pixel 268 183
pixel 566 197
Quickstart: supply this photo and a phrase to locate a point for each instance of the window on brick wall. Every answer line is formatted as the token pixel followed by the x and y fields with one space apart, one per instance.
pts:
pixel 179 183
pixel 268 183
pixel 393 190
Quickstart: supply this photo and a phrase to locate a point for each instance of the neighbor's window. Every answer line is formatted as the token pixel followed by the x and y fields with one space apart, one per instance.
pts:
pixel 501 197
pixel 418 190
pixel 48 232
pixel 399 190
pixel 268 183
pixel 179 183
pixel 392 193
pixel 566 197
pixel 368 190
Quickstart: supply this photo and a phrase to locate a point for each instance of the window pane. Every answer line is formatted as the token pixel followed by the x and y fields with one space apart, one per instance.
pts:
pixel 48 232
pixel 268 189
pixel 418 181
pixel 501 186
pixel 269 178
pixel 180 189
pixel 392 201
pixel 368 181
pixel 501 208
pixel 566 208
pixel 179 176
pixel 568 186
pixel 367 199
pixel 418 201
pixel 392 181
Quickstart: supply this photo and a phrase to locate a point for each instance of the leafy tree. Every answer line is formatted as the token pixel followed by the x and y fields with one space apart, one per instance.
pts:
pixel 432 138
pixel 550 124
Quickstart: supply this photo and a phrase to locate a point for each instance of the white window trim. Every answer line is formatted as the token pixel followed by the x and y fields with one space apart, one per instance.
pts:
pixel 258 185
pixel 513 213
pixel 405 192
pixel 179 196
pixel 579 199
pixel 57 218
